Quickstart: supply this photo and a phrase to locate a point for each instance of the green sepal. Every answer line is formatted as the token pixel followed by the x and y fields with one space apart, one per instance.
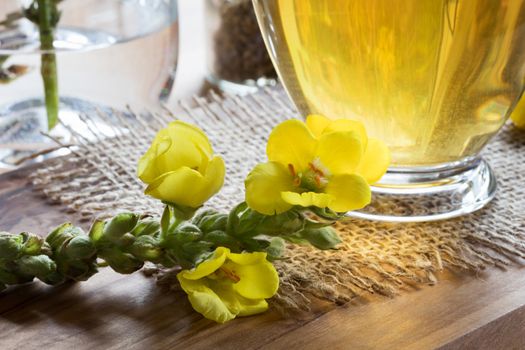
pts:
pixel 32 243
pixel 212 222
pixel 326 214
pixel 165 220
pixel 97 230
pixel 181 212
pixel 146 227
pixel 56 237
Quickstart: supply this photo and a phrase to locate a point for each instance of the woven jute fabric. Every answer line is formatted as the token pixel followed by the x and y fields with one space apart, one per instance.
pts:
pixel 99 180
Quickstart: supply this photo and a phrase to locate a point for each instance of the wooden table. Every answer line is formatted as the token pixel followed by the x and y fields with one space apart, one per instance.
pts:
pixel 112 311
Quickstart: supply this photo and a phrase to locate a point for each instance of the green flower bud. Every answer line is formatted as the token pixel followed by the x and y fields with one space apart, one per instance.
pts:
pixel 187 232
pixel 322 238
pixel 146 248
pixel 196 251
pixel 221 238
pixel 7 277
pixel 201 214
pixel 147 227
pixel 212 222
pixel 276 248
pixel 80 247
pixel 36 265
pixel 76 270
pixel 285 223
pixel 120 225
pixel 60 234
pixel 10 246
pixel 121 262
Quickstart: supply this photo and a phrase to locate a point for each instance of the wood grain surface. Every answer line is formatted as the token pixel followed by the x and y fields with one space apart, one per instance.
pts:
pixel 112 311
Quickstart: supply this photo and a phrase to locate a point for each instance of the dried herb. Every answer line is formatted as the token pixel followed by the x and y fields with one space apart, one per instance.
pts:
pixel 240 53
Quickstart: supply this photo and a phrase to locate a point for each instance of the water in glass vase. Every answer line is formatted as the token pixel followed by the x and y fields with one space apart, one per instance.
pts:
pixel 435 79
pixel 109 54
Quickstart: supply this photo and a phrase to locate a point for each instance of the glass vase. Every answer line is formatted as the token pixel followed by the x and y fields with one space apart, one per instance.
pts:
pixel 103 55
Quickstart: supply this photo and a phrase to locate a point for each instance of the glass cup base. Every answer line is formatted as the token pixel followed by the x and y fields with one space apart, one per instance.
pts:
pixel 430 193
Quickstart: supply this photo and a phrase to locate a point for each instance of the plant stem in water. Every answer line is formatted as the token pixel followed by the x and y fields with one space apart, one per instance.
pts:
pixel 47 19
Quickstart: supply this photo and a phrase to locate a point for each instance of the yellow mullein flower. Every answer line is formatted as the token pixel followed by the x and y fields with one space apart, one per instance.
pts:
pixel 322 163
pixel 180 167
pixel 228 284
pixel 518 115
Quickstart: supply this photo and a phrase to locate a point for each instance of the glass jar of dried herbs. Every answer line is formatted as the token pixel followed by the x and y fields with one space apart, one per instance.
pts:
pixel 237 58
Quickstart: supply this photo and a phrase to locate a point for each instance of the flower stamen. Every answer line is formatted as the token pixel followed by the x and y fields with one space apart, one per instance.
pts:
pixel 296 177
pixel 230 274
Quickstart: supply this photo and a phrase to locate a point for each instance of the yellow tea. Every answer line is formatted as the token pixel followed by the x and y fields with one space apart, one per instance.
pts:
pixel 432 78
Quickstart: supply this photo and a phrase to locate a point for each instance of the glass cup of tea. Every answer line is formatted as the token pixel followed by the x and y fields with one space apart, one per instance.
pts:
pixel 434 79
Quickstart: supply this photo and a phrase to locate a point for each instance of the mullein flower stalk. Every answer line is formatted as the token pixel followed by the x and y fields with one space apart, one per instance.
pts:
pixel 126 241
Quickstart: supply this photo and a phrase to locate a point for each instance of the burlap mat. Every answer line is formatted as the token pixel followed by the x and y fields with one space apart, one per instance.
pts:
pixel 99 180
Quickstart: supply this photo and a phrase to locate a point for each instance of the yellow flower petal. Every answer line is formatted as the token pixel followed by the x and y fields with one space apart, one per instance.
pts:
pixel 179 129
pixel 181 152
pixel 291 143
pixel 350 192
pixel 340 152
pixel 257 281
pixel 239 305
pixel 247 258
pixel 250 307
pixel 207 267
pixel 210 306
pixel 264 185
pixel 307 199
pixel 147 169
pixel 213 178
pixel 348 125
pixel 375 161
pixel 317 123
pixel 175 186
